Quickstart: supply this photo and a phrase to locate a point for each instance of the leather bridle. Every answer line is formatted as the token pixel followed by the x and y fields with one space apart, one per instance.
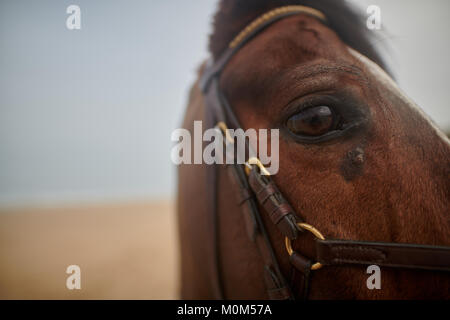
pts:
pixel 257 190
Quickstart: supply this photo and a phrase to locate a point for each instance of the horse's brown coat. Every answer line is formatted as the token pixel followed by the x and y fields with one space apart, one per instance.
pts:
pixel 388 182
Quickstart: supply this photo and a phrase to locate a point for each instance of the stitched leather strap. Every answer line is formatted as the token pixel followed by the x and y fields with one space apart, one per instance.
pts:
pixel 214 68
pixel 338 252
pixel 211 203
pixel 273 202
pixel 301 272
pixel 277 287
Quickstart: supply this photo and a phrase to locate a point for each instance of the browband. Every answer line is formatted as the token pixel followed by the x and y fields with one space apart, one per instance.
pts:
pixel 213 68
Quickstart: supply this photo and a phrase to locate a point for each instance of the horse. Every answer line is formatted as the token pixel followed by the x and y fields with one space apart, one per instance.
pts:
pixel 386 179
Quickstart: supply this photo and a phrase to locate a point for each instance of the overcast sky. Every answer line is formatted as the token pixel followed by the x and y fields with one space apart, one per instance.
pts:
pixel 86 115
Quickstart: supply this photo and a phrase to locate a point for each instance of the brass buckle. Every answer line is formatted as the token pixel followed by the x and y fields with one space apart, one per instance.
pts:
pixel 315 232
pixel 257 162
pixel 223 127
pixel 252 161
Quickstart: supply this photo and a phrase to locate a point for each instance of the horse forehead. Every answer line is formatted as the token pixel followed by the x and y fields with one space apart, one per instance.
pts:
pixel 292 40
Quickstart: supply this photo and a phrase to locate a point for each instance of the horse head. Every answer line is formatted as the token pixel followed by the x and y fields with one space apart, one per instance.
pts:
pixel 357 159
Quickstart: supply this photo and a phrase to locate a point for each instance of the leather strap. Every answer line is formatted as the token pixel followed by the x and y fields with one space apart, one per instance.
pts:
pixel 211 203
pixel 300 277
pixel 214 68
pixel 277 287
pixel 400 255
pixel 273 202
pixel 218 109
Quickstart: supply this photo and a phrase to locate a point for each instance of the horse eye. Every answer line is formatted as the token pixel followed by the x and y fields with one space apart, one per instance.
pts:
pixel 314 121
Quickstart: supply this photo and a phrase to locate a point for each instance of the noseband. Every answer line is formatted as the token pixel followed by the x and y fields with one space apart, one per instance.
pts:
pixel 258 191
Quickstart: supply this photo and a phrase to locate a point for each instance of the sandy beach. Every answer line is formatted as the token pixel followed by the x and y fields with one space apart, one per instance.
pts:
pixel 125 251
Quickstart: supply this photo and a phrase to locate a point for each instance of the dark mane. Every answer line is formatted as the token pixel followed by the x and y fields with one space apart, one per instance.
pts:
pixel 344 19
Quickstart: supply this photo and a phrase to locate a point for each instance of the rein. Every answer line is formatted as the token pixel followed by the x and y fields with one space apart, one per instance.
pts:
pixel 257 190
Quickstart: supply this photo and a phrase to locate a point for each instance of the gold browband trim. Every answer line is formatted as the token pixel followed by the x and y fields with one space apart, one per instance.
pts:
pixel 271 14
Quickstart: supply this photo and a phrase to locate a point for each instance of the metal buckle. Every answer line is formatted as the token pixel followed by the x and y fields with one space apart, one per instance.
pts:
pixel 252 161
pixel 257 162
pixel 315 232
pixel 223 127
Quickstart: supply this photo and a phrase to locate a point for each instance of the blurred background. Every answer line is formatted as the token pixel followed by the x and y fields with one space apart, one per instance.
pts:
pixel 85 123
